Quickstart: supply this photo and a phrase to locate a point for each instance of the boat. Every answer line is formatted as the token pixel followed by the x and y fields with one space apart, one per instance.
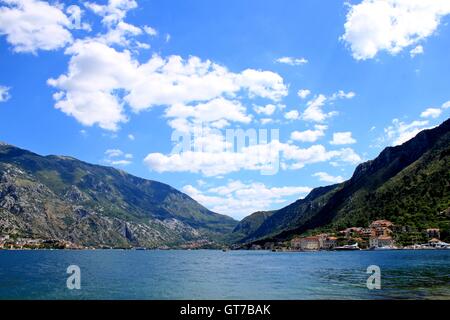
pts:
pixel 385 248
pixel 348 247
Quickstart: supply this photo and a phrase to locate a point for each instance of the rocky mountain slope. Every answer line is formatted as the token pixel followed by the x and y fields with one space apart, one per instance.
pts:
pixel 56 197
pixel 407 184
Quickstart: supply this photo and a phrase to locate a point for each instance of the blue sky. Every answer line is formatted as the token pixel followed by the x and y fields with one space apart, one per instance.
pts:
pixel 109 82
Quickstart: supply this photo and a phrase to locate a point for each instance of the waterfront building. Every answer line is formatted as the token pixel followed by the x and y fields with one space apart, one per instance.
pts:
pixel 381 241
pixel 310 243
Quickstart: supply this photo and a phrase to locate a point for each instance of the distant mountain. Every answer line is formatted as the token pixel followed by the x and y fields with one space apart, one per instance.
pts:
pixel 249 225
pixel 55 197
pixel 407 184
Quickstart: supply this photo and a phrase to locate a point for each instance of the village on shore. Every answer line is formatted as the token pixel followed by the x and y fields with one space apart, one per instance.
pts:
pixel 380 235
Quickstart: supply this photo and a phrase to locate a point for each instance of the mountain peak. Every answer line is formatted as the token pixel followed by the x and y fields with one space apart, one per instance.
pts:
pixel 88 204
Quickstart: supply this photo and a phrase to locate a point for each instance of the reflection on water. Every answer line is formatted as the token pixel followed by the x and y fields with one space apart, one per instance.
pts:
pixel 109 274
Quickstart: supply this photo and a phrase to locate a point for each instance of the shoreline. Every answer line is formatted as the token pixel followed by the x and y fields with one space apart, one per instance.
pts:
pixel 178 249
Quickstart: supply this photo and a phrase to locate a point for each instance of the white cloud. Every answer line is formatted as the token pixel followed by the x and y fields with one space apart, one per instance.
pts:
pixel 4 94
pixel 303 93
pixel 417 50
pixel 266 120
pixel 292 115
pixel 314 107
pixel 88 92
pixel 114 11
pixel 101 81
pixel 268 109
pixel 32 25
pixel 348 156
pixel 325 177
pixel 309 135
pixel 213 162
pixel 117 157
pixel 314 112
pixel 112 153
pixel 391 25
pixel 400 132
pixel 340 138
pixel 131 137
pixel 265 84
pixel 239 199
pixel 150 31
pixel 431 113
pixel 342 95
pixel 120 34
pixel 216 159
pixel 446 105
pixel 218 112
pixel 292 61
pixel 120 162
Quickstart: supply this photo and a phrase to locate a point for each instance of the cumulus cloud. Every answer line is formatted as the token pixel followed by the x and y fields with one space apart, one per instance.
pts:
pixel 292 61
pixel 325 177
pixel 446 105
pixel 400 132
pixel 314 107
pixel 150 31
pixel 340 138
pixel 123 34
pixel 435 112
pixel 292 115
pixel 32 25
pixel 89 91
pixel 112 12
pixel 417 50
pixel 102 80
pixel 239 199
pixel 218 113
pixel 309 135
pixel 303 93
pixel 217 159
pixel 314 112
pixel 268 109
pixel 391 25
pixel 431 113
pixel 4 94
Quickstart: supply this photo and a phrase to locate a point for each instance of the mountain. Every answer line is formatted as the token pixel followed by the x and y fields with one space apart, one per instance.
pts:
pixel 56 197
pixel 249 225
pixel 407 184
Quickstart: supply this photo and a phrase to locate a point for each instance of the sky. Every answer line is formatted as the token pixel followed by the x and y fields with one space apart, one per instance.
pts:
pixel 243 105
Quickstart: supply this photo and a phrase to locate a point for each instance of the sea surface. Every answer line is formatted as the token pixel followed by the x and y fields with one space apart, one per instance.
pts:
pixel 209 274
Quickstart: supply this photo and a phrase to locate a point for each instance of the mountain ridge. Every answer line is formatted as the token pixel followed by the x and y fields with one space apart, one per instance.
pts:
pixel 135 208
pixel 427 153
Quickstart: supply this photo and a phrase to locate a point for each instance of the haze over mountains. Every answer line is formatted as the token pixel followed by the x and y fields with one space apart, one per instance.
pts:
pixel 55 197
